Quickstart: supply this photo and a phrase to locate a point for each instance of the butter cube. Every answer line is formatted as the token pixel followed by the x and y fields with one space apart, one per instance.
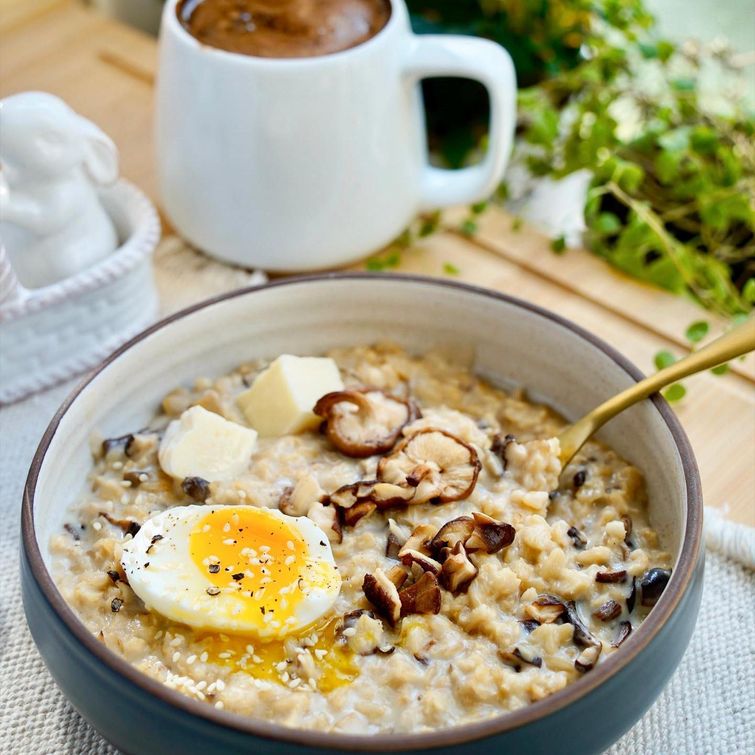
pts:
pixel 203 444
pixel 281 398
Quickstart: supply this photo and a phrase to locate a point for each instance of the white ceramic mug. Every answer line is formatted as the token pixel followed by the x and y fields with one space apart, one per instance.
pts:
pixel 305 163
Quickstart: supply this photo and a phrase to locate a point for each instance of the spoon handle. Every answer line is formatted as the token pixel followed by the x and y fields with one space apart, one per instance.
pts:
pixel 735 343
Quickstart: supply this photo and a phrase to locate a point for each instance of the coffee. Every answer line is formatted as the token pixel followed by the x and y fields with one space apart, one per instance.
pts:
pixel 283 28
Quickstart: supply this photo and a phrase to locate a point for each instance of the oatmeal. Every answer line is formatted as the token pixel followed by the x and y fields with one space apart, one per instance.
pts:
pixel 475 575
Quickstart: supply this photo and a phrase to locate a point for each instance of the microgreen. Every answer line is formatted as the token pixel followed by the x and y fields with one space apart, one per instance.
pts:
pixel 450 269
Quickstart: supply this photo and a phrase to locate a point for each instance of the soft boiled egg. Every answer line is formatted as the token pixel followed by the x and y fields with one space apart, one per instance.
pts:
pixel 239 569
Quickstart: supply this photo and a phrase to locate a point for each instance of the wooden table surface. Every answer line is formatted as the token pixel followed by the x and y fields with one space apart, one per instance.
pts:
pixel 105 71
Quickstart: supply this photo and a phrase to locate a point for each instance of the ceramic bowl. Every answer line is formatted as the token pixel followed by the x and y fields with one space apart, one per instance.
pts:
pixel 508 341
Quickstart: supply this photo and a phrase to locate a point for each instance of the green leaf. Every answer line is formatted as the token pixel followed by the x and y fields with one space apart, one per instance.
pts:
pixel 675 392
pixel 468 227
pixel 479 207
pixel 697 331
pixel 450 269
pixel 748 291
pixel 722 369
pixel 663 359
pixel 558 245
pixel 375 264
pixel 516 223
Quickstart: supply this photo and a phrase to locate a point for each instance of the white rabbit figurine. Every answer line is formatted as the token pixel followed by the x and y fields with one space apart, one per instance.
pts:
pixel 52 223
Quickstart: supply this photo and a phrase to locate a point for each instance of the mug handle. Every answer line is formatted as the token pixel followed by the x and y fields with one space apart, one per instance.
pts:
pixel 468 57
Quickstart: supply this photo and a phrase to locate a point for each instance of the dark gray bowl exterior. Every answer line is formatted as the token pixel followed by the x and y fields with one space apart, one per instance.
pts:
pixel 141 716
pixel 139 723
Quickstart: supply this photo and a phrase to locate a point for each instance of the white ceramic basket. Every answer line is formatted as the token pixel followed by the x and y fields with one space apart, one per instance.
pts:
pixel 53 333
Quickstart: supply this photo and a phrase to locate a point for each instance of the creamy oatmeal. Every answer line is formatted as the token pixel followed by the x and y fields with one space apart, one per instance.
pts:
pixel 475 578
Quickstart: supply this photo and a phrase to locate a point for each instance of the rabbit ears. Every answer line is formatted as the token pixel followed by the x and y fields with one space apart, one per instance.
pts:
pixel 99 153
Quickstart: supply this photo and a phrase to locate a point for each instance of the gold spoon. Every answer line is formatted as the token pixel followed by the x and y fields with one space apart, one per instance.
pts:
pixel 735 343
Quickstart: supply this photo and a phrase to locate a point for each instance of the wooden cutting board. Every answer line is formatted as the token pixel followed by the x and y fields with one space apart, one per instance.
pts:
pixel 105 71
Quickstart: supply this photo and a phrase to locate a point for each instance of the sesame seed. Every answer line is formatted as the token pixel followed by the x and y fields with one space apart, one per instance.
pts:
pixel 285 677
pixel 176 656
pixel 289 560
pixel 227 527
pixel 349 632
pixel 219 685
pixel 290 545
pixel 256 659
pixel 249 649
pixel 143 477
pixel 191 659
pixel 117 465
pixel 219 705
pixel 201 685
pixel 320 653
pixel 294 683
pixel 204 657
pixel 281 666
pixel 224 655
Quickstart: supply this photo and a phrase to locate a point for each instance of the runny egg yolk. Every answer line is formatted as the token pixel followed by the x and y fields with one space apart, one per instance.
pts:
pixel 272 661
pixel 261 560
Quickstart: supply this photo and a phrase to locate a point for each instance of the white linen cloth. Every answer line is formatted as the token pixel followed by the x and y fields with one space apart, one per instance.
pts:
pixel 707 708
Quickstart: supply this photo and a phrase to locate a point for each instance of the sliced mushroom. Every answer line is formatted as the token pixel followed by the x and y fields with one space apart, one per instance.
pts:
pixel 652 585
pixel 499 445
pixel 361 423
pixel 545 609
pixel 439 466
pixel 625 629
pixel 608 611
pixel 356 513
pixel 197 488
pixel 587 659
pixel 419 540
pixel 489 535
pixel 121 442
pixel 129 526
pixel 517 657
pixel 382 593
pixel 580 477
pixel 577 538
pixel 582 636
pixel 609 577
pixel 458 530
pixel 426 563
pixel 421 597
pixel 398 574
pixel 628 527
pixel 326 518
pixel 382 494
pixel 396 539
pixel 458 571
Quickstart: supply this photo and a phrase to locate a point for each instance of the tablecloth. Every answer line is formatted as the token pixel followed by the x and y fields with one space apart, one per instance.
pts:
pixel 708 707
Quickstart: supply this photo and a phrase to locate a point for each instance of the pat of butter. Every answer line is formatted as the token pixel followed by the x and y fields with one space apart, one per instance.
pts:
pixel 282 397
pixel 204 444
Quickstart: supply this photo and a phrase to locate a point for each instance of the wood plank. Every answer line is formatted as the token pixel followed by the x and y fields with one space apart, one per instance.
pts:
pixel 59 52
pixel 718 413
pixel 579 271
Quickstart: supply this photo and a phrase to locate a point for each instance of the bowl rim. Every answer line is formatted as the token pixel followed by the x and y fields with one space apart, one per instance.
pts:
pixel 682 576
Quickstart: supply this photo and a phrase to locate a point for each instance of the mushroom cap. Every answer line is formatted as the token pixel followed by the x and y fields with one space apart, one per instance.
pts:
pixel 363 422
pixel 438 465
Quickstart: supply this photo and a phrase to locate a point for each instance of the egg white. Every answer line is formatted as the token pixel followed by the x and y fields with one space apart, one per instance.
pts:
pixel 162 572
